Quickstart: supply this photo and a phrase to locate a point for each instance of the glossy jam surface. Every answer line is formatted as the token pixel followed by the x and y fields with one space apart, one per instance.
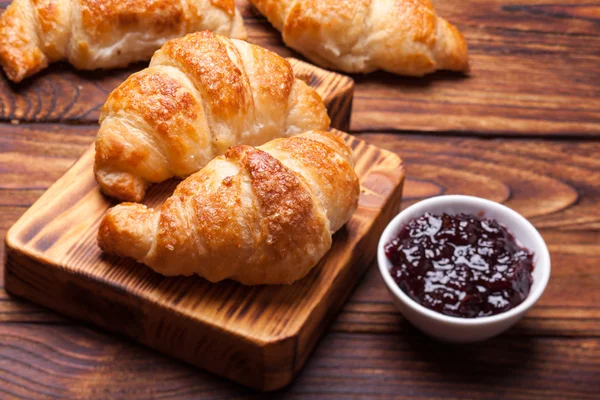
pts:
pixel 460 265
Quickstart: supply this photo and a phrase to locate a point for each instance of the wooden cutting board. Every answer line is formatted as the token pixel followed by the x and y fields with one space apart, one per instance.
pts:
pixel 258 336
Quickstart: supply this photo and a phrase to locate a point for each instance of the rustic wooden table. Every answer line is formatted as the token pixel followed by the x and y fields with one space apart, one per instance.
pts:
pixel 522 129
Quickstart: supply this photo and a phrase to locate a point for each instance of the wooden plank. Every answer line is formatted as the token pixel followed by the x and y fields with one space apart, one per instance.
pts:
pixel 371 312
pixel 534 72
pixel 45 362
pixel 556 183
pixel 567 309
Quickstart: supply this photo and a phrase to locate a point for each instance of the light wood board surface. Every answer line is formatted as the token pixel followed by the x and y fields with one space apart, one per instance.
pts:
pixel 259 336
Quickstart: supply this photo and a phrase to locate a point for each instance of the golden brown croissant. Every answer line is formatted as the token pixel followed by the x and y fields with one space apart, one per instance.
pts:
pixel 201 94
pixel 400 36
pixel 256 215
pixel 94 34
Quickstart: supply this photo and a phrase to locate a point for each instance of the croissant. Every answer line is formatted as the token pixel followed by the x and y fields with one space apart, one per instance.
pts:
pixel 260 215
pixel 94 34
pixel 201 94
pixel 400 36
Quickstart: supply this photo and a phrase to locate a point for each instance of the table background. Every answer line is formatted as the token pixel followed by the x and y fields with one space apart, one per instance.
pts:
pixel 522 129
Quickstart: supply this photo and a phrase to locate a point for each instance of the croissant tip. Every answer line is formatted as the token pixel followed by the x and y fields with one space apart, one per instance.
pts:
pixel 13 77
pixel 124 230
pixel 467 68
pixel 452 53
pixel 106 238
pixel 121 185
pixel 17 73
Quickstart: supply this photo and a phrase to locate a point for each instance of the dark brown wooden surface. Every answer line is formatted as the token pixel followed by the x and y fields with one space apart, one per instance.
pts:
pixel 370 351
pixel 535 65
pixel 535 75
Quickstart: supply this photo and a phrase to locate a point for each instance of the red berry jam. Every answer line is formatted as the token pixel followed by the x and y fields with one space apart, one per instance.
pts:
pixel 460 265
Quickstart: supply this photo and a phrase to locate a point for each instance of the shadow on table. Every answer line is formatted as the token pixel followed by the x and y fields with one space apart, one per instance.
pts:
pixel 409 82
pixel 63 70
pixel 493 361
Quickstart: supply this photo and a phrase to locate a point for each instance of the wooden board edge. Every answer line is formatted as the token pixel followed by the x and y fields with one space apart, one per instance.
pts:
pixel 107 310
pixel 306 339
pixel 12 239
pixel 359 265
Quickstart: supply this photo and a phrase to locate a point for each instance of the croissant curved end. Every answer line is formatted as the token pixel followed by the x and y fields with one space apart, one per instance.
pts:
pixel 238 30
pixel 20 56
pixel 126 230
pixel 121 185
pixel 451 49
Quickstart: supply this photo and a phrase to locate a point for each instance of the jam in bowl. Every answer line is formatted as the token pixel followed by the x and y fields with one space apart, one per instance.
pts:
pixel 462 268
pixel 460 265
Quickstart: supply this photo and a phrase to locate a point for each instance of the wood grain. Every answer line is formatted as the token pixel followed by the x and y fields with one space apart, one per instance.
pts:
pixel 80 363
pixel 534 72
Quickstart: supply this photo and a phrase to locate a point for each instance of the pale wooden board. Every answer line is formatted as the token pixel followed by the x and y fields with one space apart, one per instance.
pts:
pixel 259 336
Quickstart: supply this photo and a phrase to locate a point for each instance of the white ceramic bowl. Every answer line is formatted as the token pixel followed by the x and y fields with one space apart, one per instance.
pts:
pixel 455 329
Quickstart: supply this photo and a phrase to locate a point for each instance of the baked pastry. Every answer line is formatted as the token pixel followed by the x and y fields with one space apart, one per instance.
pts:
pixel 94 34
pixel 201 94
pixel 404 37
pixel 255 215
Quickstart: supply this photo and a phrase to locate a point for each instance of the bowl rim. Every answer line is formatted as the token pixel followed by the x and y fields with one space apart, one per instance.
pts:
pixel 542 253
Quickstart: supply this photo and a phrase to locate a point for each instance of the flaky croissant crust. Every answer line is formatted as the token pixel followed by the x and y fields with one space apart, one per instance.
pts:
pixel 256 215
pixel 400 36
pixel 93 34
pixel 201 94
